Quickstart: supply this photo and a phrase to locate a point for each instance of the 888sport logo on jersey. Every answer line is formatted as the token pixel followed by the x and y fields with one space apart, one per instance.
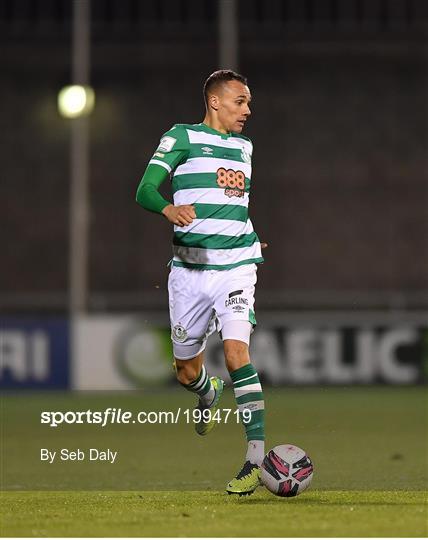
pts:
pixel 232 181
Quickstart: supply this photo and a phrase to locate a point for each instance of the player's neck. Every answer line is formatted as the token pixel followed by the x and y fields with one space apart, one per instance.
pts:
pixel 213 123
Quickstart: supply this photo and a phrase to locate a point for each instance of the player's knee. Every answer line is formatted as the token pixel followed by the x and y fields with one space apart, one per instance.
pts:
pixel 236 354
pixel 186 373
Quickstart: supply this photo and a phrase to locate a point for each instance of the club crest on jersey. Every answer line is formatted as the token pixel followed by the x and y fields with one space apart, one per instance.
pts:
pixel 245 156
pixel 232 181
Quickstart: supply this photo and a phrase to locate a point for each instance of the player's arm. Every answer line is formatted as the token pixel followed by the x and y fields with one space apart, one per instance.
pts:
pixel 148 197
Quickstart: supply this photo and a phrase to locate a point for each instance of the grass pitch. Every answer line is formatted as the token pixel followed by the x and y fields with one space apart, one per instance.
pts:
pixel 368 445
pixel 198 513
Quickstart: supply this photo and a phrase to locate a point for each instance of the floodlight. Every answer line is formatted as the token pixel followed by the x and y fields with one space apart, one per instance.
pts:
pixel 76 100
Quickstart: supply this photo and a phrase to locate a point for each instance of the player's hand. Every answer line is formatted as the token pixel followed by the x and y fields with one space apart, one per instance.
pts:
pixel 180 215
pixel 263 245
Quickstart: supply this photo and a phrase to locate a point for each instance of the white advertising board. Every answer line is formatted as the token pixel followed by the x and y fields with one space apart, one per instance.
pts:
pixel 132 351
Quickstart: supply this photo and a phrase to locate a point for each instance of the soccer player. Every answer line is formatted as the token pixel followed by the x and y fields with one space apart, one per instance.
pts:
pixel 215 252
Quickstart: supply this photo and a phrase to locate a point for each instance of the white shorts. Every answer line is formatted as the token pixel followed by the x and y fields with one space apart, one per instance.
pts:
pixel 202 300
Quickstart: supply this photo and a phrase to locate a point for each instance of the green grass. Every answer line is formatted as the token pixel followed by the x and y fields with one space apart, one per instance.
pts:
pixel 198 513
pixel 368 445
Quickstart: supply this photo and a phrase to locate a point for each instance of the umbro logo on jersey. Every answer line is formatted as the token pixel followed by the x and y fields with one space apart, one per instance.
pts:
pixel 207 150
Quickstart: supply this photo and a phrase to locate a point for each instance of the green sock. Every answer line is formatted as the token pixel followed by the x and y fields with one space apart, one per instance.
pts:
pixel 249 396
pixel 203 387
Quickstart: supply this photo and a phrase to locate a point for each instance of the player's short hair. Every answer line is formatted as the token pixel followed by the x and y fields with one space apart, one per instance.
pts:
pixel 219 77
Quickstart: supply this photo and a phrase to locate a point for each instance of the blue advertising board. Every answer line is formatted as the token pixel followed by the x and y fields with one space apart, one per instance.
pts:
pixel 34 353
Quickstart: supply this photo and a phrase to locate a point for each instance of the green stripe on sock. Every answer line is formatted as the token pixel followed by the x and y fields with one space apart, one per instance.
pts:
pixel 205 388
pixel 197 380
pixel 256 426
pixel 194 384
pixel 254 379
pixel 243 372
pixel 256 417
pixel 200 384
pixel 255 429
pixel 251 396
pixel 245 376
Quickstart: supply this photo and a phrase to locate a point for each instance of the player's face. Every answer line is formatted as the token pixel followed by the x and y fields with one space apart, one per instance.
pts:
pixel 233 106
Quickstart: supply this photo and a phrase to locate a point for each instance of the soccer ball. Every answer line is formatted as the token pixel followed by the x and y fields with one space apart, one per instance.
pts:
pixel 287 470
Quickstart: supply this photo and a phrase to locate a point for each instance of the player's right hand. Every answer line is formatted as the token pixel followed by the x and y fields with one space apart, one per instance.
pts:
pixel 180 215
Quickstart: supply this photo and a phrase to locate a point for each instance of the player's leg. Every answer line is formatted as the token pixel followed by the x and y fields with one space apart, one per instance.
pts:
pixel 188 371
pixel 248 391
pixel 235 310
pixel 192 322
pixel 193 376
pixel 250 401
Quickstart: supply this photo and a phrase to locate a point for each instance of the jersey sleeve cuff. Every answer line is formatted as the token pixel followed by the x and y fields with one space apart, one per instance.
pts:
pixel 161 163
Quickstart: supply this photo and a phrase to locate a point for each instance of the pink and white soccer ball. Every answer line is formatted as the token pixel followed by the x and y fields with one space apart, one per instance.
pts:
pixel 287 470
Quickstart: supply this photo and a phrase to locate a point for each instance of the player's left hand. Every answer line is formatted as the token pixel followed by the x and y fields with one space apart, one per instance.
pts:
pixel 264 245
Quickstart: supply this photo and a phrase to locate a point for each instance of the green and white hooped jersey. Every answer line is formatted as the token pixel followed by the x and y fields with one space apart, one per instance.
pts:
pixel 211 171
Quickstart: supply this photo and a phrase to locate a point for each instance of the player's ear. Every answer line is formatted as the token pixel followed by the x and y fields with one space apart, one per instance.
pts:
pixel 213 101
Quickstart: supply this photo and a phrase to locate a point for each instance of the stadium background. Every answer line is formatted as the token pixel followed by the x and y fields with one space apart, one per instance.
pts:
pixel 340 193
pixel 340 187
